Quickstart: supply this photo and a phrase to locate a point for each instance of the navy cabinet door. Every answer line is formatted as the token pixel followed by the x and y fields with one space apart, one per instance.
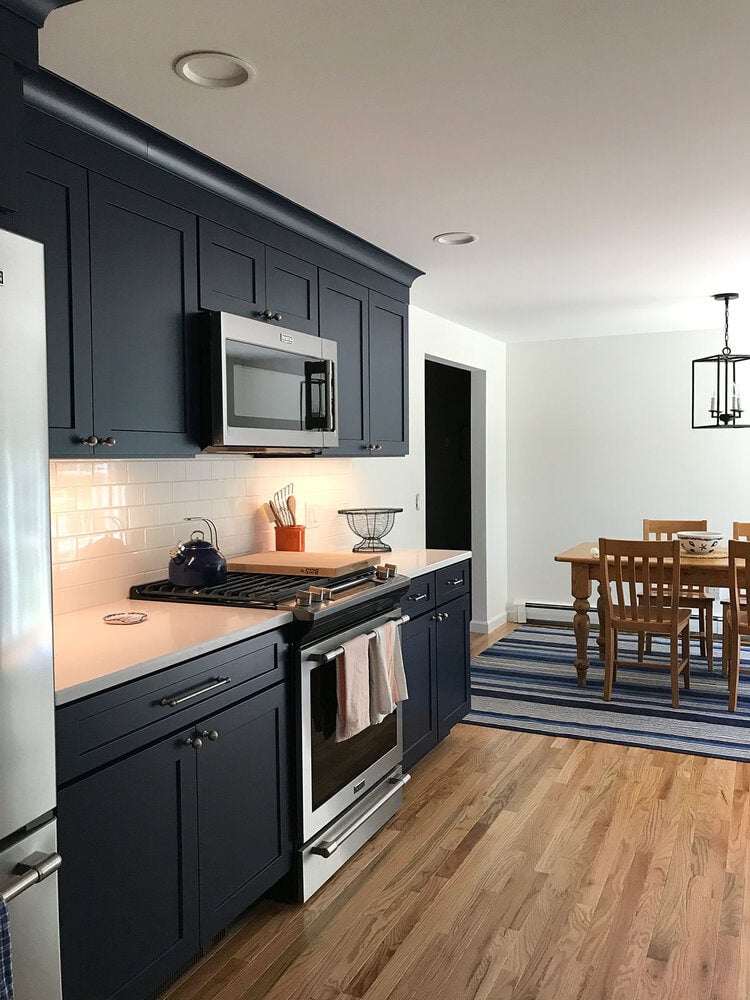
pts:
pixel 11 88
pixel 232 271
pixel 420 708
pixel 292 290
pixel 55 212
pixel 129 888
pixel 243 807
pixel 453 681
pixel 144 315
pixel 344 318
pixel 389 374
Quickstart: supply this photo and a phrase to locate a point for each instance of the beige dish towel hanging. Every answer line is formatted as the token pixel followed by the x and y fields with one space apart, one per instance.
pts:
pixel 387 677
pixel 353 688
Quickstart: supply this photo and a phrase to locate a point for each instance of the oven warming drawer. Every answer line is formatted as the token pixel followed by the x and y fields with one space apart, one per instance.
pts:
pixel 340 841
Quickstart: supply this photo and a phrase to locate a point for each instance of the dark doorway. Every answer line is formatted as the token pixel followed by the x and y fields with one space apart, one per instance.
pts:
pixel 447 456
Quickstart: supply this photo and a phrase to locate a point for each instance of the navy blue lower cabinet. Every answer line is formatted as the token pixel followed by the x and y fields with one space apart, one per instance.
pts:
pixel 243 807
pixel 420 709
pixel 129 882
pixel 435 645
pixel 453 664
pixel 164 848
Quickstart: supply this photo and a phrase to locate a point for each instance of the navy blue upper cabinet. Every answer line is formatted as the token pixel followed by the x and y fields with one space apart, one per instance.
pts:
pixel 344 318
pixel 12 104
pixel 242 276
pixel 144 316
pixel 389 375
pixel 55 199
pixel 232 271
pixel 371 331
pixel 292 291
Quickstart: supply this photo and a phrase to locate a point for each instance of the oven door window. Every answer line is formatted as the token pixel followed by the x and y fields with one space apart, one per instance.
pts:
pixel 336 765
pixel 268 388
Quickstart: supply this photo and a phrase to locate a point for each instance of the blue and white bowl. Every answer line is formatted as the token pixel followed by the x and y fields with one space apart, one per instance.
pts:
pixel 699 543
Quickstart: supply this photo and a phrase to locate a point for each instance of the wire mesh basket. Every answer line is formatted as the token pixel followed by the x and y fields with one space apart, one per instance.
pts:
pixel 371 524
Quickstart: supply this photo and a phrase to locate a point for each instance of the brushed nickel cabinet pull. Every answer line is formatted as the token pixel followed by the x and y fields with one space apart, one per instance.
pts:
pixel 173 702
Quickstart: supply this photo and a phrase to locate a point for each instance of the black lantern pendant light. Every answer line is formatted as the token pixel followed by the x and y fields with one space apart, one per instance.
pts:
pixel 720 381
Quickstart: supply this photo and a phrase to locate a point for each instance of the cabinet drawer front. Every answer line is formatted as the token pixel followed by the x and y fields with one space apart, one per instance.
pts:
pixel 453 581
pixel 421 596
pixel 100 728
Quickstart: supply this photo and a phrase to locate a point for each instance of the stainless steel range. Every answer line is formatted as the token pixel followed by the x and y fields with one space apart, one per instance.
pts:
pixel 345 791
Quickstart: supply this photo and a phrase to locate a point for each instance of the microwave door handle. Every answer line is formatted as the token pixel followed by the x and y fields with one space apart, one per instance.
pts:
pixel 320 418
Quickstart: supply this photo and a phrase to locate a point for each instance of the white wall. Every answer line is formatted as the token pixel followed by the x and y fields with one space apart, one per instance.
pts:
pixel 599 437
pixel 113 522
pixel 396 481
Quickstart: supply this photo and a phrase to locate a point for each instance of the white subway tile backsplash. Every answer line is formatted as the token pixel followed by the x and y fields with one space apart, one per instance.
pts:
pixel 143 471
pixel 158 493
pixel 114 522
pixel 172 471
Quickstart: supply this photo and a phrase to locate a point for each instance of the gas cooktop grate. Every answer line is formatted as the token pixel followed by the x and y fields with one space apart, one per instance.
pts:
pixel 242 590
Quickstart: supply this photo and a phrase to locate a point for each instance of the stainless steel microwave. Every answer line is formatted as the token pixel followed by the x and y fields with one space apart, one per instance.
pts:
pixel 273 391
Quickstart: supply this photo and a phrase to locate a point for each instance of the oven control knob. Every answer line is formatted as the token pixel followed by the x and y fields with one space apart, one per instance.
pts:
pixel 317 594
pixel 392 569
pixel 303 599
pixel 381 572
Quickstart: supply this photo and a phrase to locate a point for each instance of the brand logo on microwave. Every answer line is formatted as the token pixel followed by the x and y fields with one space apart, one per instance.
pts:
pixel 285 338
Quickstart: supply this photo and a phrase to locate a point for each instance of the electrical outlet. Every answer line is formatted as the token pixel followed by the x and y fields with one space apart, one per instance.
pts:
pixel 418 502
pixel 311 515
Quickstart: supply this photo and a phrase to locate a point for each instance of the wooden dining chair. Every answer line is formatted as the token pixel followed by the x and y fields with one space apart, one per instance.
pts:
pixel 737 615
pixel 648 606
pixel 740 533
pixel 691 595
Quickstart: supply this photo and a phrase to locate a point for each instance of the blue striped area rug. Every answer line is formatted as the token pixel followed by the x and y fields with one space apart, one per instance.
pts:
pixel 527 681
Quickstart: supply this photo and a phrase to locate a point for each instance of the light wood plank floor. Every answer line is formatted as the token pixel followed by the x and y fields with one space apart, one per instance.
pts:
pixel 521 866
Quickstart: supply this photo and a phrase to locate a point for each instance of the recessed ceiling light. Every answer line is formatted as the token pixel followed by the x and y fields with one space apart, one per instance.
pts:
pixel 213 69
pixel 455 239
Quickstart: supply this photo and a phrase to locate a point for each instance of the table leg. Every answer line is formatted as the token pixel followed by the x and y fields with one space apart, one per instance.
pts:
pixel 581 587
pixel 600 606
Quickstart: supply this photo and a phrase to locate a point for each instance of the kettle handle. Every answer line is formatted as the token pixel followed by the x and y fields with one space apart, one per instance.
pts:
pixel 213 533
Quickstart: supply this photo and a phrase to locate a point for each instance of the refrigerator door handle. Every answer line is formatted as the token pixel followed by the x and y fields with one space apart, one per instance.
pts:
pixel 32 870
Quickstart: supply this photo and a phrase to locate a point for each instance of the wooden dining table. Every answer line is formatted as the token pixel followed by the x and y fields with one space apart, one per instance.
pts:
pixel 707 571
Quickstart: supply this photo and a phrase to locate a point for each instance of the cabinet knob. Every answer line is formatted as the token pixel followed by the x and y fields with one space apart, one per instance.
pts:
pixel 210 734
pixel 194 741
pixel 378 447
pixel 276 316
pixel 109 441
pixel 437 618
pixel 91 441
pixel 445 614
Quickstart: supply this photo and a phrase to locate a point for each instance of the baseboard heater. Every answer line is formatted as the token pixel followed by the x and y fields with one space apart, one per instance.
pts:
pixel 538 613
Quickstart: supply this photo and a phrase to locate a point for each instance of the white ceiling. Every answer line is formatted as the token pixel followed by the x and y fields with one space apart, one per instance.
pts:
pixel 600 148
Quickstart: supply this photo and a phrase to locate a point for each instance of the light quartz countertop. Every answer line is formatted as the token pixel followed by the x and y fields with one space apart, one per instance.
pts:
pixel 91 656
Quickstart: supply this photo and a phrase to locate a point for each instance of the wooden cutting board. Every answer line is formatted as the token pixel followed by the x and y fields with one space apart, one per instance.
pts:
pixel 303 563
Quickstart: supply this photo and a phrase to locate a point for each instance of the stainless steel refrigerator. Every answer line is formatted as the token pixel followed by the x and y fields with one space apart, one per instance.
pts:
pixel 28 858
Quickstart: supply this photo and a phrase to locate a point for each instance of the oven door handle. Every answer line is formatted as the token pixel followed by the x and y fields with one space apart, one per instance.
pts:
pixel 328 847
pixel 333 653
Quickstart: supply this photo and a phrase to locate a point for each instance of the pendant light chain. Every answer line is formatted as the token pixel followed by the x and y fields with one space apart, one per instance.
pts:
pixel 726 350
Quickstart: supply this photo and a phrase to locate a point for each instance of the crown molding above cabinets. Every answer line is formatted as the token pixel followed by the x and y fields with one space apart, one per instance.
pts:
pixel 69 104
pixel 35 11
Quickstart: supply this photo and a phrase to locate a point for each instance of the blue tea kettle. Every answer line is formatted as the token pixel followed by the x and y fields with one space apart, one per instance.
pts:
pixel 198 563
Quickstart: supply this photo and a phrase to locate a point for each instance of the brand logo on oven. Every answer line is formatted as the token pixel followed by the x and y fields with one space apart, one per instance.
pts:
pixel 309 571
pixel 285 338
